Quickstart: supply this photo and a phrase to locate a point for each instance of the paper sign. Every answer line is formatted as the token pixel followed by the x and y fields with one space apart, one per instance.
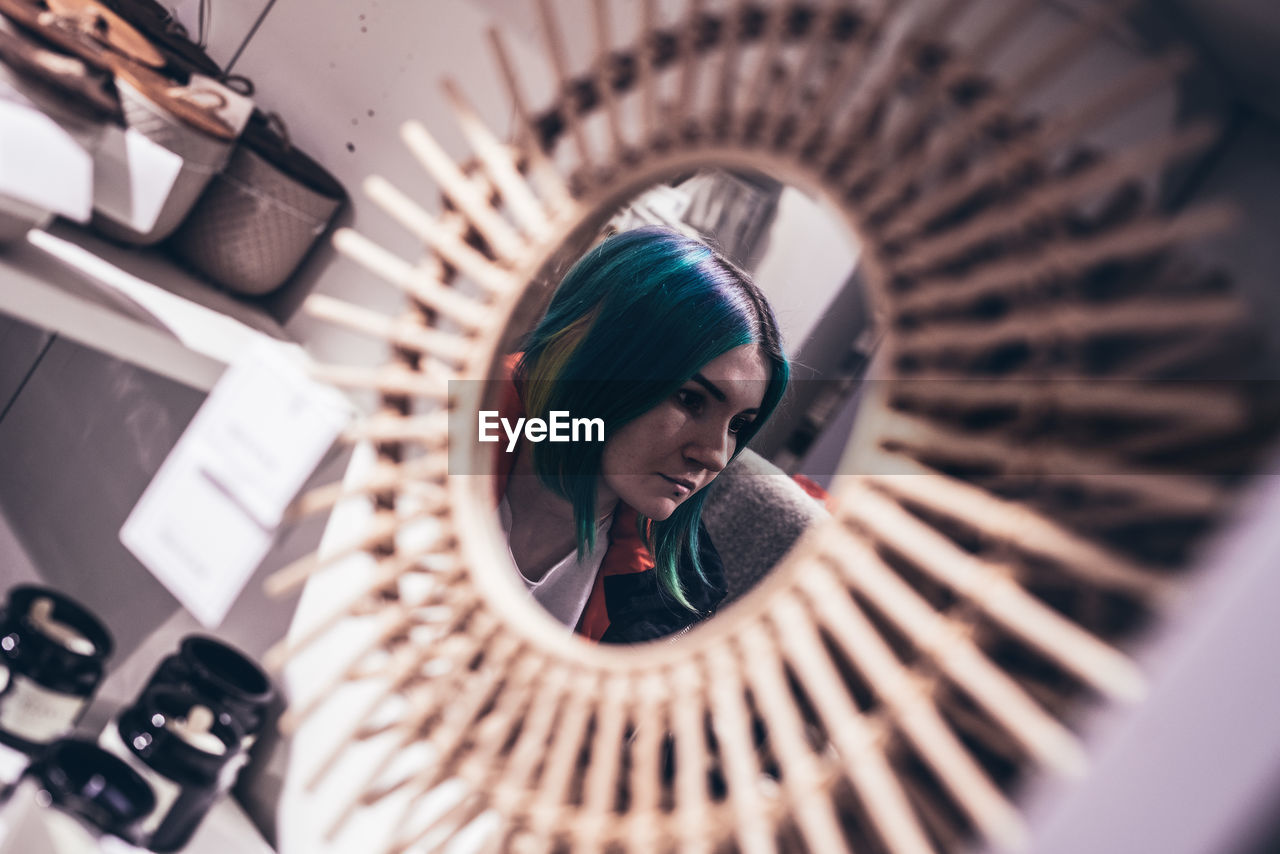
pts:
pixel 133 177
pixel 42 164
pixel 209 516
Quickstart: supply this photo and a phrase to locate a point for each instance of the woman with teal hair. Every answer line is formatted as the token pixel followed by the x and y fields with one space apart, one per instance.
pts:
pixel 678 353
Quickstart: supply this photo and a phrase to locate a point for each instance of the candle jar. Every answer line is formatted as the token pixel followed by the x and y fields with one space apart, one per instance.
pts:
pixel 53 655
pixel 223 675
pixel 180 747
pixel 225 679
pixel 75 797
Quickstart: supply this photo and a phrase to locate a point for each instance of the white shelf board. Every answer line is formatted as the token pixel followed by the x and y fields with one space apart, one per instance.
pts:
pixel 132 304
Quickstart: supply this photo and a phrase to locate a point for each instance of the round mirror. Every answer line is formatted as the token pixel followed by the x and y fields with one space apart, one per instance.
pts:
pixel 1006 507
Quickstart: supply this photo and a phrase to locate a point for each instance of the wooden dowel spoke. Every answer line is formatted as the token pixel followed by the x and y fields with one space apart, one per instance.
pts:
pixel 812 122
pixel 559 57
pixel 388 626
pixel 1138 316
pixel 443 240
pixel 500 236
pixel 1049 201
pixel 726 88
pixel 762 82
pixel 1169 492
pixel 406 662
pixel 1066 49
pixel 801 770
pixel 456 705
pixel 388 571
pixel 603 73
pixel 692 813
pixel 511 790
pixel 683 103
pixel 910 707
pixel 393 379
pixel 647 81
pixel 380 529
pixel 1210 408
pixel 542 170
pixel 422 475
pixel 955 655
pixel 1017 155
pixel 562 755
pixel 753 825
pixel 499 166
pixel 600 786
pixel 404 332
pixel 982 583
pixel 420 281
pixel 430 432
pixel 787 102
pixel 874 80
pixel 1021 526
pixel 491 734
pixel 646 760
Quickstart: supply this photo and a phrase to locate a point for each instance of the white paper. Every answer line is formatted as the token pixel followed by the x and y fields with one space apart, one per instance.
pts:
pixel 133 177
pixel 210 514
pixel 42 164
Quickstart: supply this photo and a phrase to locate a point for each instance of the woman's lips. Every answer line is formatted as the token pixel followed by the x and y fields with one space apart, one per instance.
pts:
pixel 682 485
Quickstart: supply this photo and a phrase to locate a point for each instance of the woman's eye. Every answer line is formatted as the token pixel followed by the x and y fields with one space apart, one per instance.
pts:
pixel 737 425
pixel 690 400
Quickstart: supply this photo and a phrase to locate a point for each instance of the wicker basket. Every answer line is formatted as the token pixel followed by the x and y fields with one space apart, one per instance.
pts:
pixel 260 216
pixel 204 154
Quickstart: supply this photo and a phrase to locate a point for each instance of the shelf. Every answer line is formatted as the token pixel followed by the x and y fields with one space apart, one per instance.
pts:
pixel 132 304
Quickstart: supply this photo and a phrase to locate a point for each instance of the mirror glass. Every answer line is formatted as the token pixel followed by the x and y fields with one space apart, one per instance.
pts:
pixel 805 262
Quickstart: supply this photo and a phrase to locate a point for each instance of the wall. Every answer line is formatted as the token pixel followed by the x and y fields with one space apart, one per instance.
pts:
pixel 78 445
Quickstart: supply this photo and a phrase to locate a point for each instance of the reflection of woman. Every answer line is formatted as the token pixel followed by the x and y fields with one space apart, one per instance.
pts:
pixel 678 352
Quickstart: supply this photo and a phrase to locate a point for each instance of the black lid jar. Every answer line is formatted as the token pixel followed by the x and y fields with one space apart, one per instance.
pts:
pixel 53 655
pixel 221 675
pixel 180 745
pixel 75 790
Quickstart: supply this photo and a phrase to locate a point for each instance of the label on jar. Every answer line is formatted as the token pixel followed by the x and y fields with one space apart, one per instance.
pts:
pixel 166 791
pixel 32 712
pixel 12 763
pixel 227 776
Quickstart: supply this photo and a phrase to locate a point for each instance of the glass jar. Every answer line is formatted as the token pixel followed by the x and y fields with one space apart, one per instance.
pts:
pixel 53 655
pixel 223 675
pixel 226 679
pixel 75 797
pixel 180 746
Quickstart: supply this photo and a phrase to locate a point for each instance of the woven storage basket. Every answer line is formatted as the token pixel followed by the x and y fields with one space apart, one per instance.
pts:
pixel 260 216
pixel 203 156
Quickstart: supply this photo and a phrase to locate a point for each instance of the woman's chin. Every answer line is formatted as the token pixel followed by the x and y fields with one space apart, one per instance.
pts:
pixel 658 509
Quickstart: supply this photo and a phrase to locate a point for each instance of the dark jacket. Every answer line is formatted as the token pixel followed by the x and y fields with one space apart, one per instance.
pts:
pixel 640 611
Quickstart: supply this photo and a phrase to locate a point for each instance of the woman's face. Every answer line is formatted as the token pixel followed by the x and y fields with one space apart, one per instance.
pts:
pixel 679 446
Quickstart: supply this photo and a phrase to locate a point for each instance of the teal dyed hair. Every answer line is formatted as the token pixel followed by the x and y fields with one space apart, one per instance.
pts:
pixel 634 319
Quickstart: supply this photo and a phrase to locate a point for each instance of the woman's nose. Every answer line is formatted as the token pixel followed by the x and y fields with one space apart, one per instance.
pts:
pixel 710 448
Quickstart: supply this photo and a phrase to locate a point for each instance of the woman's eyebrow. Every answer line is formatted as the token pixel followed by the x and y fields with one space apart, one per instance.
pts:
pixel 717 393
pixel 709 386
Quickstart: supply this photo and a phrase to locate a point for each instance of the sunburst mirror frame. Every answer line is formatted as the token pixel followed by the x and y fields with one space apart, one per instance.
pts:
pixel 886 686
